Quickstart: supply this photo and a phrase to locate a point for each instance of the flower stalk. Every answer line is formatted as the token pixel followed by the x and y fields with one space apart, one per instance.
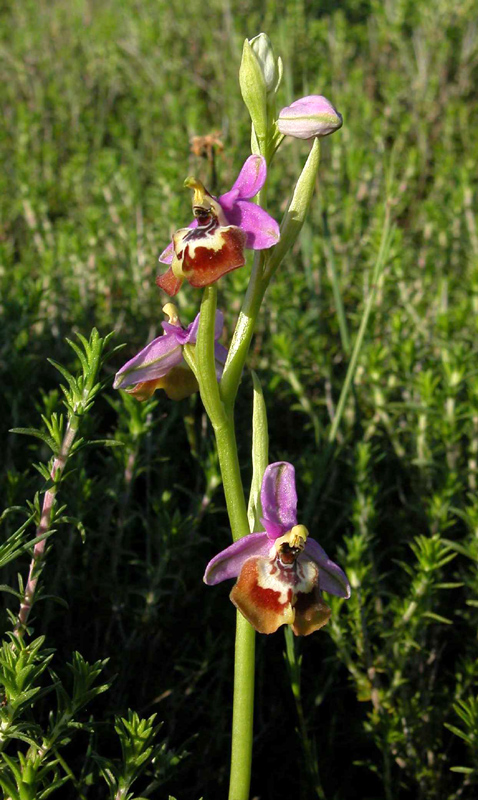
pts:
pixel 244 671
pixel 223 425
pixel 242 710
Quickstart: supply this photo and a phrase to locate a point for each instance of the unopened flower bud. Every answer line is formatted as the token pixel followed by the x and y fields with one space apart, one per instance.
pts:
pixel 309 117
pixel 253 89
pixel 270 66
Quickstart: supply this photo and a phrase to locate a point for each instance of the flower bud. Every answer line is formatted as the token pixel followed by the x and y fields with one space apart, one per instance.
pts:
pixel 309 117
pixel 270 66
pixel 253 89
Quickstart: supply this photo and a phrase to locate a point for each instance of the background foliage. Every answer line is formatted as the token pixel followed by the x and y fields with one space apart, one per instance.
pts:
pixel 99 103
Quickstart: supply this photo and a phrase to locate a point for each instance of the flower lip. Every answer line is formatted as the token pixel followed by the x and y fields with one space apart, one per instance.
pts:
pixel 205 251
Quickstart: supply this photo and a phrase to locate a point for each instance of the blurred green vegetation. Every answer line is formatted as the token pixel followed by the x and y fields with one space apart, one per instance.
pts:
pixel 99 103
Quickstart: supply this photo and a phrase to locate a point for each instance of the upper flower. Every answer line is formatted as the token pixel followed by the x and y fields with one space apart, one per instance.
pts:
pixel 222 228
pixel 161 365
pixel 282 571
pixel 309 117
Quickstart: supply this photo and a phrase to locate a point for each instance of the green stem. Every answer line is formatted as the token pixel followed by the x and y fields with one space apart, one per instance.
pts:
pixel 244 330
pixel 243 706
pixel 223 424
pixel 264 266
pixel 243 711
pixel 243 703
pixel 231 479
pixel 339 306
pixel 378 269
pixel 205 361
pixel 296 213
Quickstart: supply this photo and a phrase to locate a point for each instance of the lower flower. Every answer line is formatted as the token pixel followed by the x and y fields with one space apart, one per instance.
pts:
pixel 281 572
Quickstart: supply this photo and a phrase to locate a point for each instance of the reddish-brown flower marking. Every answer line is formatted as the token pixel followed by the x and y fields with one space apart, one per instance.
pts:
pixel 265 608
pixel 202 254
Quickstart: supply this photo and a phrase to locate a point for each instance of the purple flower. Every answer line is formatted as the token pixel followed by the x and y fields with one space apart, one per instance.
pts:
pixel 161 365
pixel 261 230
pixel 309 117
pixel 282 571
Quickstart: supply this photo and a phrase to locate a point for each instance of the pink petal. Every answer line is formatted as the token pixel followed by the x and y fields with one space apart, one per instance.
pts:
pixel 151 363
pixel 220 357
pixel 332 579
pixel 250 180
pixel 261 229
pixel 308 117
pixel 191 332
pixel 167 255
pixel 228 563
pixel 279 498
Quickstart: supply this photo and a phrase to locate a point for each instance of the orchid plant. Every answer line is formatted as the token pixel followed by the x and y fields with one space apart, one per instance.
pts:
pixel 281 571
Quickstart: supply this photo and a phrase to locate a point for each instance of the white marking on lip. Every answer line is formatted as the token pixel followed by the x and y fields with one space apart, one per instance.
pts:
pixel 301 576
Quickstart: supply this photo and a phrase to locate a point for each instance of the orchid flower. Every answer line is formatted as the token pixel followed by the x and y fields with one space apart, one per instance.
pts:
pixel 161 365
pixel 282 571
pixel 214 242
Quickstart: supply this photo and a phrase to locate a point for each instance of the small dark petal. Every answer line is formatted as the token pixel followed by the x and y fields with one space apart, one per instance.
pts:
pixel 311 613
pixel 169 283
